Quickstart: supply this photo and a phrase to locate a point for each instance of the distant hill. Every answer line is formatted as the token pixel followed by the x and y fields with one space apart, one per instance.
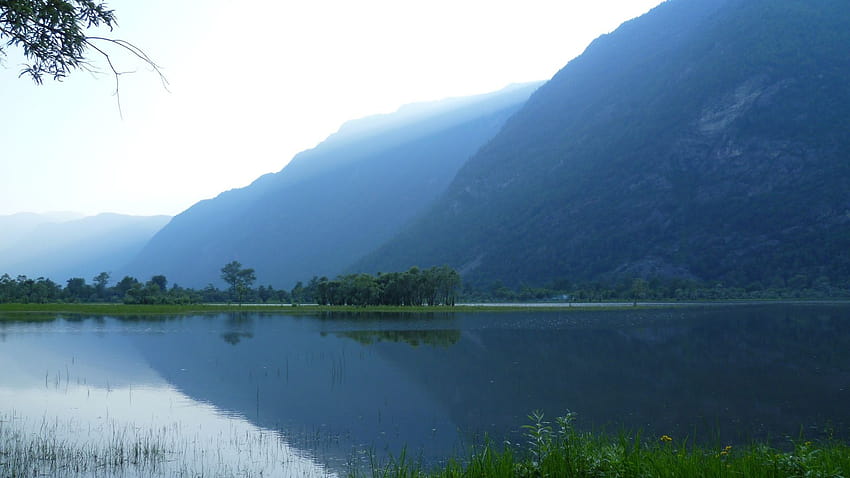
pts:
pixel 332 204
pixel 61 246
pixel 707 139
pixel 14 227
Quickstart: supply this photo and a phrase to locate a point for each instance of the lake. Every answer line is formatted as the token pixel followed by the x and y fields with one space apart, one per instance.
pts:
pixel 245 394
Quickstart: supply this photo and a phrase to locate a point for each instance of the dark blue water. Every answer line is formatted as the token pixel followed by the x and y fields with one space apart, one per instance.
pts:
pixel 342 387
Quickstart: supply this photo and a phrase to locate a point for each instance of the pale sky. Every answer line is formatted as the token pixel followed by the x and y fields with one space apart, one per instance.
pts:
pixel 253 82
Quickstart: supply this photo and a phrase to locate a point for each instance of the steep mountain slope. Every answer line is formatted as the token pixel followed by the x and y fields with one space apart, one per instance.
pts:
pixel 334 203
pixel 77 248
pixel 707 139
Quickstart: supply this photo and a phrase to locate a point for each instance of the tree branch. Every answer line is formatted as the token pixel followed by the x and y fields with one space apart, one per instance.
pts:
pixel 52 36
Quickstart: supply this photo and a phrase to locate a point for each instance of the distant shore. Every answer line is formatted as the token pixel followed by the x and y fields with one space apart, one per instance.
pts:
pixel 12 311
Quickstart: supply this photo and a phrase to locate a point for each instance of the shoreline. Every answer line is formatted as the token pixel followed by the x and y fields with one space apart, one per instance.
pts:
pixel 9 310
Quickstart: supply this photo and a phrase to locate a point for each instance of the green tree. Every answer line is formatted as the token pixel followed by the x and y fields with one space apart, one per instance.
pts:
pixel 160 281
pixel 639 290
pixel 100 282
pixel 447 283
pixel 323 291
pixel 135 294
pixel 265 293
pixel 74 285
pixel 124 285
pixel 297 293
pixel 210 293
pixel 240 279
pixel 153 293
pixel 282 296
pixel 77 289
pixel 410 285
pixel 7 288
pixel 393 288
pixel 45 290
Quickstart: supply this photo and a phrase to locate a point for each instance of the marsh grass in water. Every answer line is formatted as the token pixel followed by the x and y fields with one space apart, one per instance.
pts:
pixel 558 450
pixel 56 448
pixel 546 450
pixel 50 452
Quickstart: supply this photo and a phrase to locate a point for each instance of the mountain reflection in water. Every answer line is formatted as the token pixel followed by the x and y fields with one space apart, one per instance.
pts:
pixel 338 388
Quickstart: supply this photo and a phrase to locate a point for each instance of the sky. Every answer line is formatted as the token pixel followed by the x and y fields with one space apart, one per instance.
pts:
pixel 253 82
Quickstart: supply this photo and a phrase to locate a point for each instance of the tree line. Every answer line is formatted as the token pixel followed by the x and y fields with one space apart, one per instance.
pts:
pixel 128 290
pixel 414 287
pixel 658 289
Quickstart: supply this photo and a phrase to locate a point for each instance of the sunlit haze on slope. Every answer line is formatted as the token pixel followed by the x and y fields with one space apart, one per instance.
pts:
pixel 251 83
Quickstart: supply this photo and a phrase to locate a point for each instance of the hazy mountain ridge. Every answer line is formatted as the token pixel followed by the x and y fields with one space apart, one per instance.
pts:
pixel 706 139
pixel 334 203
pixel 58 247
pixel 16 226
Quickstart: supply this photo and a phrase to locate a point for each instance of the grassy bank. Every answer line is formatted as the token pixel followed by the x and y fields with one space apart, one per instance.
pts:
pixel 547 450
pixel 558 450
pixel 11 310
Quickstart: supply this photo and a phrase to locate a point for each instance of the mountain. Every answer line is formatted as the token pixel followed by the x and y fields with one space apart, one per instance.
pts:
pixel 59 247
pixel 17 226
pixel 332 204
pixel 707 139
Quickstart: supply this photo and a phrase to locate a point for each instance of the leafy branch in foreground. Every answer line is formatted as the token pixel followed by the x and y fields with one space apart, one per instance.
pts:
pixel 53 37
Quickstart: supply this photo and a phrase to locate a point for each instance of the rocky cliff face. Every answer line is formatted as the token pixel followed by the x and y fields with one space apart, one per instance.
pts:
pixel 707 139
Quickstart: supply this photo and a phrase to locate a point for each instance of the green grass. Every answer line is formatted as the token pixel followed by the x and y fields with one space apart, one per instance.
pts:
pixel 558 450
pixel 30 311
pixel 546 450
pixel 22 310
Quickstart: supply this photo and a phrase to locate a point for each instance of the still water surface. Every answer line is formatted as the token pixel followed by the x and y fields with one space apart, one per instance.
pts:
pixel 314 396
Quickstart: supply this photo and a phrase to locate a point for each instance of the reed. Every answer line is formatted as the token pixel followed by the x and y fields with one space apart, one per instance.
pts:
pixel 559 450
pixel 53 447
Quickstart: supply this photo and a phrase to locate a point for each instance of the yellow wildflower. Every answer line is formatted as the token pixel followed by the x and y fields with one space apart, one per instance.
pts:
pixel 666 438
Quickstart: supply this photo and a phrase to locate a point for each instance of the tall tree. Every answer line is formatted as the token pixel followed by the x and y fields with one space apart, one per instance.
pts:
pixel 100 282
pixel 160 281
pixel 125 285
pixel 78 290
pixel 638 290
pixel 240 279
pixel 297 293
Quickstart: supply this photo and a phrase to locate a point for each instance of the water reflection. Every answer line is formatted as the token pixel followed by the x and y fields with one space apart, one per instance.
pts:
pixel 442 338
pixel 234 338
pixel 334 387
pixel 81 393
